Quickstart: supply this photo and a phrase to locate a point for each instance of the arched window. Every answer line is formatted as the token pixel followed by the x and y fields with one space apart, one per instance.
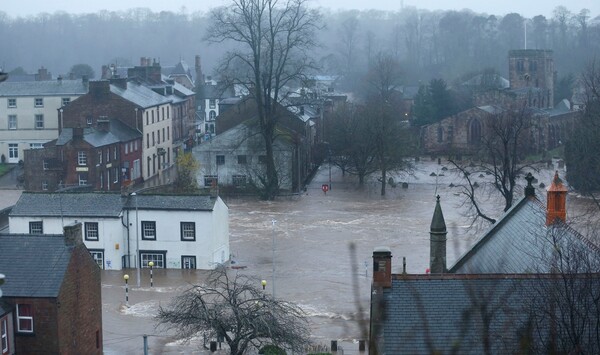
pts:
pixel 212 115
pixel 475 132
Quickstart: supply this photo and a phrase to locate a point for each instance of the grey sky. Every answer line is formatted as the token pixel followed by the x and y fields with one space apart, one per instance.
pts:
pixel 498 7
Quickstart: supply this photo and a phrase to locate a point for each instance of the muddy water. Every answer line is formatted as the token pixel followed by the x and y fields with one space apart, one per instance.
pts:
pixel 314 265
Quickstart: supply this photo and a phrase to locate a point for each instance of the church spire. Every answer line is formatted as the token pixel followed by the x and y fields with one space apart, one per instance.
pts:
pixel 437 241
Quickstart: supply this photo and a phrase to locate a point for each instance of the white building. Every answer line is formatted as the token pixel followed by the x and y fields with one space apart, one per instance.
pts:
pixel 172 231
pixel 29 115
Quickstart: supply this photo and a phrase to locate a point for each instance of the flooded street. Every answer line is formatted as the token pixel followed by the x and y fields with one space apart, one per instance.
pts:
pixel 313 262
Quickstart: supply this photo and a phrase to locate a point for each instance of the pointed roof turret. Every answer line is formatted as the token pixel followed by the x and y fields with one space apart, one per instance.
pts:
pixel 437 222
pixel 437 241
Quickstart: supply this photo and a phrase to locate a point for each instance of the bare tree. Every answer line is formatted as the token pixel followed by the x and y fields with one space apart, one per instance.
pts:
pixel 232 307
pixel 501 155
pixel 385 130
pixel 274 38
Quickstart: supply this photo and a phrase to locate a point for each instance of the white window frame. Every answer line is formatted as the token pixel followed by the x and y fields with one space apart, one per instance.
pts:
pixel 158 258
pixel 13 150
pixel 38 102
pixel 39 121
pixel 212 103
pixel 188 231
pixel 148 230
pixel 12 122
pixel 20 317
pixel 82 181
pixel 36 227
pixel 92 231
pixel 239 180
pixel 65 101
pixel 36 145
pixel 81 158
pixel 4 336
pixel 98 256
pixel 12 103
pixel 45 185
pixel 208 179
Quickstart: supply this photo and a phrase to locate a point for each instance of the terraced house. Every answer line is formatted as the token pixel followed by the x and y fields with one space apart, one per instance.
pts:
pixel 30 113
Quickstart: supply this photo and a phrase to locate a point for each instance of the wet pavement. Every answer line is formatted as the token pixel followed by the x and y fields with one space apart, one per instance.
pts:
pixel 314 263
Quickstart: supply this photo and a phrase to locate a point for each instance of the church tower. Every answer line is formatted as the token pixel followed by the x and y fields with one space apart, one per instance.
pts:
pixel 531 75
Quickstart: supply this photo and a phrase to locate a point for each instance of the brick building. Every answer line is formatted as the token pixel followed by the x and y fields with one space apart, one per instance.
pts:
pixel 53 288
pixel 107 157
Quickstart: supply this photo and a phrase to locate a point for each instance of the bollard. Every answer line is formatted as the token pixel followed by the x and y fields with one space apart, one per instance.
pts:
pixel 151 264
pixel 213 346
pixel 126 278
pixel 334 345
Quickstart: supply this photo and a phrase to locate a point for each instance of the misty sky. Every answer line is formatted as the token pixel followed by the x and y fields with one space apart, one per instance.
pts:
pixel 526 8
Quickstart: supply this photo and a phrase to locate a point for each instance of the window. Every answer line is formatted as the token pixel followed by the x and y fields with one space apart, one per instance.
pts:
pixel 136 171
pixel 39 102
pixel 99 157
pixel 239 180
pixel 4 336
pixel 158 258
pixel 440 134
pixel 147 140
pixel 39 121
pixel 162 109
pixel 158 137
pixel 115 153
pixel 36 145
pixel 36 227
pixel 45 164
pixel 81 158
pixel 188 231
pixel 152 112
pixel 148 230
pixel 210 180
pixel 212 103
pixel 83 180
pixel 153 139
pixel 242 159
pixel 98 256
pixel 65 101
pixel 12 121
pixel 107 153
pixel 44 185
pixel 135 147
pixel 91 231
pixel 89 120
pixel 164 139
pixel 168 109
pixel 168 133
pixel 13 150
pixel 220 159
pixel 24 318
pixel 188 262
pixel 116 175
pixel 262 159
pixel 212 115
pixel 12 103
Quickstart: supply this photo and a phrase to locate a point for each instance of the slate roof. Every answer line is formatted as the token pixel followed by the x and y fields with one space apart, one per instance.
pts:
pixel 427 314
pixel 118 132
pixel 520 242
pixel 139 95
pixel 108 205
pixel 43 88
pixel 34 265
pixel 171 202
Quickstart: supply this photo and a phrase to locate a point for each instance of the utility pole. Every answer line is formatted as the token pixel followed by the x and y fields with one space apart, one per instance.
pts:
pixel 273 256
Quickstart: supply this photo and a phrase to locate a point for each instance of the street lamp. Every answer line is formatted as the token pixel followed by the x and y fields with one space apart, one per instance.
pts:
pixel 273 255
pixel 126 278
pixel 137 241
pixel 151 264
pixel 264 284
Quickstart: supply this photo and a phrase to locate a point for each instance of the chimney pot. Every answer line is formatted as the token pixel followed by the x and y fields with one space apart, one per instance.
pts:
pixel 556 201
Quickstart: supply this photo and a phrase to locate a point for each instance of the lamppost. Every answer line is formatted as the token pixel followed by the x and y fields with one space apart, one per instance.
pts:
pixel 137 241
pixel 126 278
pixel 264 284
pixel 151 264
pixel 273 255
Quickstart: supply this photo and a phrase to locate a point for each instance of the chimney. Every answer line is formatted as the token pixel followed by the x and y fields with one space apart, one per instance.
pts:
pixel 557 201
pixel 143 62
pixel 99 88
pixel 105 72
pixel 529 189
pixel 73 235
pixel 103 124
pixel 382 267
pixel 119 82
pixel 77 133
pixel 437 241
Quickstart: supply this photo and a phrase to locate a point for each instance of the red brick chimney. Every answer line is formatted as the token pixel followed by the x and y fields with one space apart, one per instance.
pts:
pixel 382 267
pixel 557 201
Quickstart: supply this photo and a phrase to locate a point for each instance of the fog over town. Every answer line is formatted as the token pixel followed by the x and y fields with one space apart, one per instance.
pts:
pixel 318 177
